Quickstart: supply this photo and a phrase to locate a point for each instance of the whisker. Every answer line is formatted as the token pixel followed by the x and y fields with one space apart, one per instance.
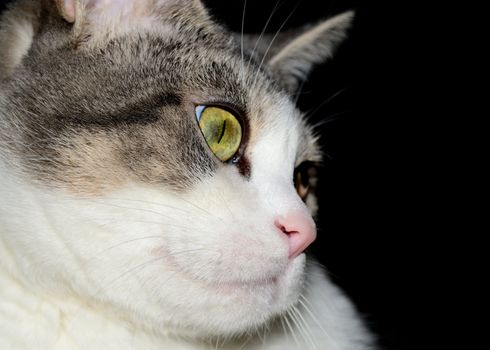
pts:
pixel 329 119
pixel 126 242
pixel 297 325
pixel 325 102
pixel 298 91
pixel 163 224
pixel 262 337
pixel 241 36
pixel 202 268
pixel 225 204
pixel 130 208
pixel 265 337
pixel 314 318
pixel 284 328
pixel 163 205
pixel 272 42
pixel 148 211
pixel 126 273
pixel 303 324
pixel 208 214
pixel 199 208
pixel 277 5
pixel 291 330
pixel 246 341
pixel 172 253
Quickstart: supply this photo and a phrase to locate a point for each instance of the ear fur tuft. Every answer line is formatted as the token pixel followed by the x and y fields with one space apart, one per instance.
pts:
pixel 67 9
pixel 101 20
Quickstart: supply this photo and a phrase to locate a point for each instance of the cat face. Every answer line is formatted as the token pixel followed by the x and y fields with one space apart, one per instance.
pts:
pixel 106 121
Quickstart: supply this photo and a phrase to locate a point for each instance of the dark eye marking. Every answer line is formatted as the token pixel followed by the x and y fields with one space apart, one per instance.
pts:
pixel 143 112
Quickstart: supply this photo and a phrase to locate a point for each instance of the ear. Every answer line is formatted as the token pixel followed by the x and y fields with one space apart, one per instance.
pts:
pixel 292 62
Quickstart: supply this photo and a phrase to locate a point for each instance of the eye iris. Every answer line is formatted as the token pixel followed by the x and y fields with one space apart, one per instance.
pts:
pixel 221 130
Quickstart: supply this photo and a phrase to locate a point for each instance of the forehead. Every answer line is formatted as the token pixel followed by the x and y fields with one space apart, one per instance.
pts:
pixel 143 70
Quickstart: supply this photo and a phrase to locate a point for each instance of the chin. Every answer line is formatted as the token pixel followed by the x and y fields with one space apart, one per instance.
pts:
pixel 238 308
pixel 249 306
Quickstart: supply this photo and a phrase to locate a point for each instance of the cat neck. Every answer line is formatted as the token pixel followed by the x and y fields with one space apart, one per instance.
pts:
pixel 62 323
pixel 33 317
pixel 66 323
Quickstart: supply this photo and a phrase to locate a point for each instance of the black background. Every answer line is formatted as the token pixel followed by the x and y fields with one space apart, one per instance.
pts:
pixel 373 207
pixel 373 201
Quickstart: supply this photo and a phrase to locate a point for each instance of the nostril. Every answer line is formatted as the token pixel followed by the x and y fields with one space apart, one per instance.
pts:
pixel 281 227
pixel 300 230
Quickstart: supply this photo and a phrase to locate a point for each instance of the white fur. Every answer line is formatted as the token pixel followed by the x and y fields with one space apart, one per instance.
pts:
pixel 144 268
pixel 106 19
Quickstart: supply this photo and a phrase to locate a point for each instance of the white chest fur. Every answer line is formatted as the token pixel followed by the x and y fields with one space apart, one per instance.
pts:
pixel 324 319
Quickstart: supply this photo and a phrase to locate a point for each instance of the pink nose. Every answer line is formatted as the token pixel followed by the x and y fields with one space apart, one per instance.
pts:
pixel 300 229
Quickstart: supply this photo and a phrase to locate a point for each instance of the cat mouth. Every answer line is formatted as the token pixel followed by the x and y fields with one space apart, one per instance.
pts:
pixel 269 284
pixel 232 287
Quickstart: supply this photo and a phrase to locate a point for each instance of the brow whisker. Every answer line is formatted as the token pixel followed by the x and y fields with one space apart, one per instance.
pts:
pixel 329 119
pixel 241 36
pixel 277 5
pixel 325 102
pixel 272 42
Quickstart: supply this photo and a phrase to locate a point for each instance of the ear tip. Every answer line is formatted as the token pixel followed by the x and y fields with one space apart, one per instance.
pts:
pixel 346 18
pixel 350 13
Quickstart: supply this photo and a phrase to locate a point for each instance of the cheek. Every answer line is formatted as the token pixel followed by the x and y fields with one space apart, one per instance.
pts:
pixel 235 229
pixel 232 238
pixel 215 247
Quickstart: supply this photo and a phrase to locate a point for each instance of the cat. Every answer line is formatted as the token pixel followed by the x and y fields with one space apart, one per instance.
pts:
pixel 158 181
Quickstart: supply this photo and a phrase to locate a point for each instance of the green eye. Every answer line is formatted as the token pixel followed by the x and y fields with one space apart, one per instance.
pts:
pixel 221 129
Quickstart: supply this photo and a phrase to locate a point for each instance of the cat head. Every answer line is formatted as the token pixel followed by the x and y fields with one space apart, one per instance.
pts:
pixel 157 162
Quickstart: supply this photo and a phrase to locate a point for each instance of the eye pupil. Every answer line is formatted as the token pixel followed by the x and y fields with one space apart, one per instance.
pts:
pixel 223 129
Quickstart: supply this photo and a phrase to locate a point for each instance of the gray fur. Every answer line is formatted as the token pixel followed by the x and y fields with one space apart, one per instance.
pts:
pixel 128 99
